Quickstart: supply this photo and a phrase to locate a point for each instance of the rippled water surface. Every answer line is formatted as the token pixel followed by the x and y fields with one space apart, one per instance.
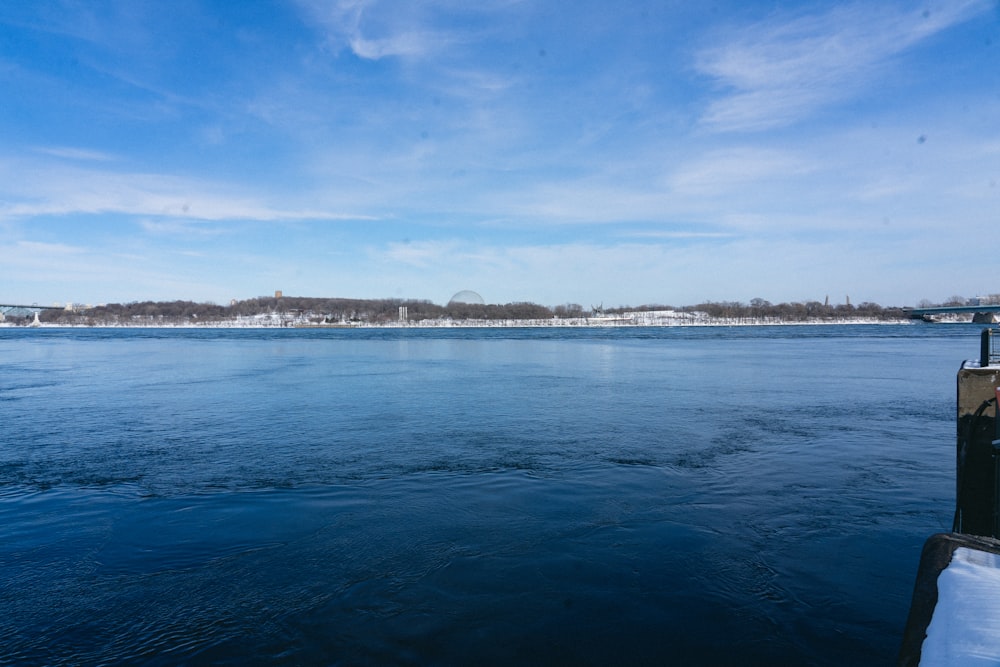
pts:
pixel 753 495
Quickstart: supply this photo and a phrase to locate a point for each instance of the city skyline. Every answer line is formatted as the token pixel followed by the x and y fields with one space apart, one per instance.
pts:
pixel 638 154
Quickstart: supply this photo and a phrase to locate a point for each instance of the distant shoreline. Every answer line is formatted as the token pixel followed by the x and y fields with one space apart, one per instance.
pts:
pixel 476 324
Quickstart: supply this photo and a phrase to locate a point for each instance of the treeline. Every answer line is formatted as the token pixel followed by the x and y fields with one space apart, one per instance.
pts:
pixel 170 312
pixel 386 310
pixel 317 310
pixel 381 311
pixel 761 309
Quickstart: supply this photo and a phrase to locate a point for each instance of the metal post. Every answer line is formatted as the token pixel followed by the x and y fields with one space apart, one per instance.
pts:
pixel 996 463
pixel 985 343
pixel 996 487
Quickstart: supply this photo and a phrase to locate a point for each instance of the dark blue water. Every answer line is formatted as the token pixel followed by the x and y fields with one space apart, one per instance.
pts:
pixel 630 496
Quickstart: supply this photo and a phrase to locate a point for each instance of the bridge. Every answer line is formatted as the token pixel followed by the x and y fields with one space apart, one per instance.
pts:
pixel 982 314
pixel 23 311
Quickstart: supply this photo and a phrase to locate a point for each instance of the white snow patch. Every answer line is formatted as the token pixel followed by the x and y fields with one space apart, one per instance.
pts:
pixel 965 627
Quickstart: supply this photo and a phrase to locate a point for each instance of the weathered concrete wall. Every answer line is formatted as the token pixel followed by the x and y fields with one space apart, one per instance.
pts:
pixel 976 487
pixel 976 385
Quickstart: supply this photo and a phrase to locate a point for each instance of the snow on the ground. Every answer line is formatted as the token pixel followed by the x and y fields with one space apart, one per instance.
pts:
pixel 965 627
pixel 655 318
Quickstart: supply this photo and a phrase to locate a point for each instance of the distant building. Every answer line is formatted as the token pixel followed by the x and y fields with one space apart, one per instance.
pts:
pixel 277 294
pixel 467 297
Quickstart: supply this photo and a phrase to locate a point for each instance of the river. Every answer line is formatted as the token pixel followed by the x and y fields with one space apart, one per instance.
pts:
pixel 709 495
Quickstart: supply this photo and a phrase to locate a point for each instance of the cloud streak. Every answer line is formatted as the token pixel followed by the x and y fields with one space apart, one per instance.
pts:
pixel 74 153
pixel 720 171
pixel 352 23
pixel 55 190
pixel 778 72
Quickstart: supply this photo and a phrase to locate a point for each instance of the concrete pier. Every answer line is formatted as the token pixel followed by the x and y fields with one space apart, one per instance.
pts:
pixel 956 598
pixel 976 460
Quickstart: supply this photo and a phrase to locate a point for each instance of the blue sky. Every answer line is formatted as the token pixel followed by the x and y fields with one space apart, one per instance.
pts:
pixel 589 152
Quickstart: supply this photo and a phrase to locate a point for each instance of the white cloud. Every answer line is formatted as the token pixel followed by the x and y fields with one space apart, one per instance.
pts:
pixel 473 84
pixel 647 189
pixel 372 34
pixel 777 72
pixel 425 254
pixel 584 201
pixel 181 228
pixel 49 249
pixel 404 44
pixel 103 270
pixel 720 171
pixel 73 153
pixel 53 189
pixel 678 235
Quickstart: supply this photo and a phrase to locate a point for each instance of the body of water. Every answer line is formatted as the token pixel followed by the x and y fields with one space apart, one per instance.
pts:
pixel 743 496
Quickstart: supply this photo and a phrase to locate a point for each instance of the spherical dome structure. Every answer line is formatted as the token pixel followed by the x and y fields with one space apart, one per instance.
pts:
pixel 467 296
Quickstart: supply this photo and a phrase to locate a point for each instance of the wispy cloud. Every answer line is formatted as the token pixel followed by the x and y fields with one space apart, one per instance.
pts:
pixel 584 201
pixel 404 44
pixel 668 235
pixel 50 249
pixel 422 254
pixel 776 72
pixel 35 190
pixel 721 171
pixel 623 191
pixel 73 153
pixel 90 274
pixel 372 35
pixel 180 228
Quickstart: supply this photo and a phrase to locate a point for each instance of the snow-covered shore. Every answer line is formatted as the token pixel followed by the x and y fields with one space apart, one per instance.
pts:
pixel 660 318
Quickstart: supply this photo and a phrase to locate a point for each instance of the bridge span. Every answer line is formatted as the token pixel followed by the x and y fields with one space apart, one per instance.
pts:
pixel 983 314
pixel 23 311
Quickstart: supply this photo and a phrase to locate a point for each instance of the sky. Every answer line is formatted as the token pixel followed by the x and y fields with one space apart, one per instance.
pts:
pixel 530 150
